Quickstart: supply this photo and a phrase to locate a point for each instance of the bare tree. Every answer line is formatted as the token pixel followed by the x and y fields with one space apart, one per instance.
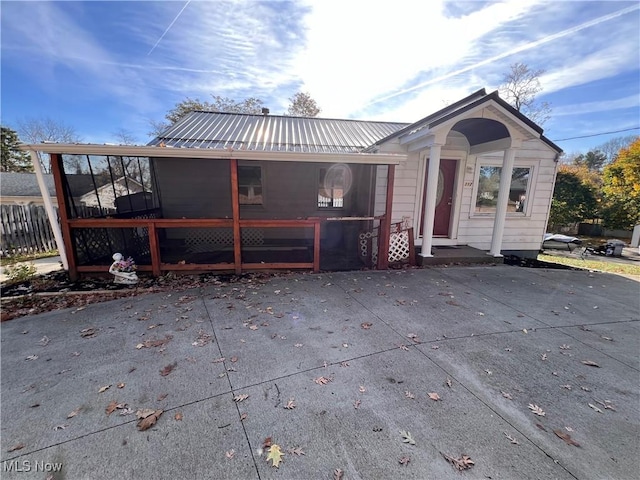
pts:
pixel 611 147
pixel 520 88
pixel 302 105
pixel 39 130
pixel 124 136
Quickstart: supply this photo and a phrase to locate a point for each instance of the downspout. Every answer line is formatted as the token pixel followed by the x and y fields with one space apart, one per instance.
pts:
pixel 48 206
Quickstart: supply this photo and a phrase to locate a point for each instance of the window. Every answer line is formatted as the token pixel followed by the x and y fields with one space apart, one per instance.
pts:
pixel 250 185
pixel 333 184
pixel 489 186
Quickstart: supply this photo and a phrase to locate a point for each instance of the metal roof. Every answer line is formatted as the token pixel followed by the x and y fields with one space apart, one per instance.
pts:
pixel 273 133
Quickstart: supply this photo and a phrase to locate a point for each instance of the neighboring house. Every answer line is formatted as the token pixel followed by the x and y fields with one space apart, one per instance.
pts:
pixel 23 189
pixel 229 191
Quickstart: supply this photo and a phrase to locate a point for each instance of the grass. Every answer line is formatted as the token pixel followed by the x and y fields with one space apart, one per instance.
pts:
pixel 5 261
pixel 609 267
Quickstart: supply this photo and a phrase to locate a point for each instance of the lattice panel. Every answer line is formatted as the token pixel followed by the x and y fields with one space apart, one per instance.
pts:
pixel 203 240
pixel 399 247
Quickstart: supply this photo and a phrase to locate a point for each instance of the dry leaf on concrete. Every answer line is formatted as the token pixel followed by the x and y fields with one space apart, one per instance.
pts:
pixel 322 380
pixel 229 454
pixel 590 363
pixel 337 474
pixel 513 440
pixel 104 389
pixel 290 404
pixel 74 413
pixel 296 451
pixel 168 369
pixel 566 437
pixel 462 463
pixel 275 455
pixel 407 438
pixel 178 416
pixel 434 396
pixel 149 421
pixel 17 446
pixel 408 394
pixel 366 325
pixel 595 408
pixel 404 461
pixel 356 404
pixel 536 409
pixel 240 398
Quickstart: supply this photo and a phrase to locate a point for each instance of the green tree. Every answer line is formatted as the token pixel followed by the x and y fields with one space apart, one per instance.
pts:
pixel 593 160
pixel 621 189
pixel 13 159
pixel 520 87
pixel 573 200
pixel 302 105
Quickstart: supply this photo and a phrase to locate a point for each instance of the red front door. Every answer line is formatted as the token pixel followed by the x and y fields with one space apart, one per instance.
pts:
pixel 444 199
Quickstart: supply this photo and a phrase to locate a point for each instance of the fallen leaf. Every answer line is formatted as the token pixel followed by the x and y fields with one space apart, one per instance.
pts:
pixel 435 347
pixel 266 443
pixel 126 411
pixel 149 421
pixel 567 386
pixel 537 410
pixel 357 404
pixel 88 332
pixel 104 389
pixel 448 382
pixel 44 341
pixel 32 357
pixel 586 389
pixel 590 363
pixel 298 345
pixel 60 427
pixel 407 438
pixel 145 412
pixel 230 454
pixel 366 325
pixel 218 360
pixel 606 404
pixel 112 407
pixel 606 338
pixel 243 417
pixel 275 455
pixel 595 408
pixel 543 356
pixel 162 396
pixel 296 451
pixel 337 474
pixel 344 364
pixel 234 359
pixel 178 416
pixel 462 463
pixel 240 398
pixel 565 347
pixel 507 395
pixel 566 437
pixel 18 446
pixel 408 394
pixel 434 396
pixel 362 389
pixel 74 413
pixel 404 461
pixel 322 380
pixel 120 385
pixel 513 440
pixel 290 404
pixel 253 327
pixel 168 369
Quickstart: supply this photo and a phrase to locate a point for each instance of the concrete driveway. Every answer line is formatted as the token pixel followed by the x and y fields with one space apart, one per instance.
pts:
pixel 356 357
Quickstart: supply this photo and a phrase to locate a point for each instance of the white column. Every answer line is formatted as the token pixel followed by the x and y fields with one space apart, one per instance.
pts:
pixel 503 200
pixel 48 206
pixel 430 200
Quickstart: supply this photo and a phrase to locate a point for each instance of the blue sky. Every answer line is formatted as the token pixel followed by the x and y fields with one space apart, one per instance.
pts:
pixel 104 66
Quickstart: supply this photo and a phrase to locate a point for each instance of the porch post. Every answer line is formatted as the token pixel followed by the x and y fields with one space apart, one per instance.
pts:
pixel 503 200
pixel 385 222
pixel 48 206
pixel 235 209
pixel 430 200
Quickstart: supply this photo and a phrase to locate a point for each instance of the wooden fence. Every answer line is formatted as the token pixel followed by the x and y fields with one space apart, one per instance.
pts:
pixel 25 230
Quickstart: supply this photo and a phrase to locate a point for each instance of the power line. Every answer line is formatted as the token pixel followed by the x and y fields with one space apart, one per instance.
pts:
pixel 597 134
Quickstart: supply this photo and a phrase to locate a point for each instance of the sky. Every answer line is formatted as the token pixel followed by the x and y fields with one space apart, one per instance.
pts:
pixel 103 67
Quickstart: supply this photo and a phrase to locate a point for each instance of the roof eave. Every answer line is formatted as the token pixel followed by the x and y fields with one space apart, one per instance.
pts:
pixel 213 154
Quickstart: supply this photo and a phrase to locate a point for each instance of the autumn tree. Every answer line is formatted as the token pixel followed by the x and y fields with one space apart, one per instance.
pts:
pixel 622 189
pixel 302 105
pixel 573 199
pixel 13 159
pixel 520 87
pixel 38 130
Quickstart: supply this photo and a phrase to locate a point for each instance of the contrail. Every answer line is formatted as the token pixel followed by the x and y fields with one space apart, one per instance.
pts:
pixel 519 49
pixel 169 27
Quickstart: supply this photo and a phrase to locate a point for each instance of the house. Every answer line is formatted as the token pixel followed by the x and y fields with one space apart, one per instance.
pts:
pixel 221 191
pixel 23 189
